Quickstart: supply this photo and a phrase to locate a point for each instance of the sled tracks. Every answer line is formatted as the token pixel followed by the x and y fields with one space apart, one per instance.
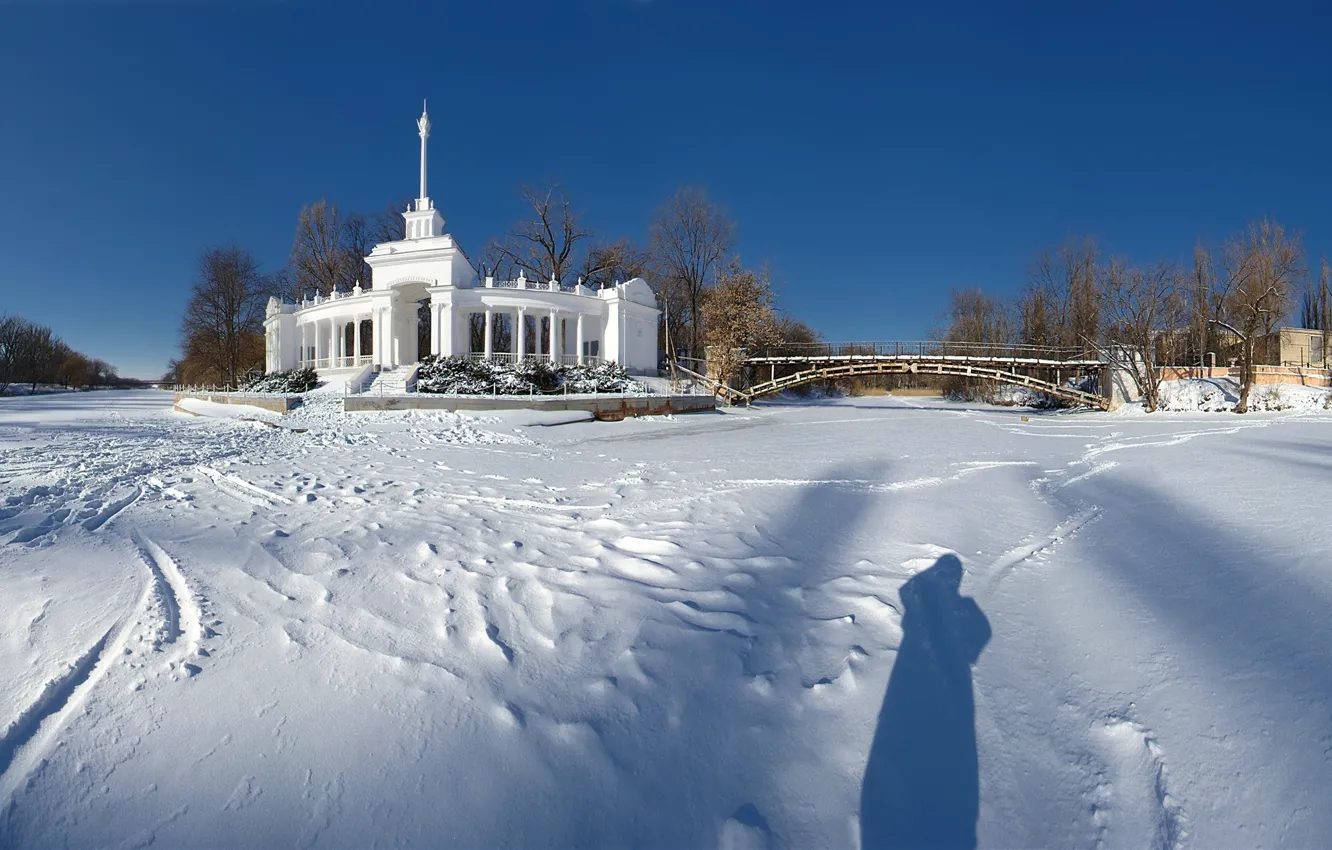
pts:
pixel 166 598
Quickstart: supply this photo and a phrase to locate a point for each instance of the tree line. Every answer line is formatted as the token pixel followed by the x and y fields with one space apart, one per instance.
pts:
pixel 32 354
pixel 1167 313
pixel 687 255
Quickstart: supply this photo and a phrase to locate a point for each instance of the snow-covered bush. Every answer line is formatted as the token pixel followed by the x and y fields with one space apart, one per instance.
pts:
pixel 1216 395
pixel 465 376
pixel 599 378
pixel 1206 394
pixel 287 383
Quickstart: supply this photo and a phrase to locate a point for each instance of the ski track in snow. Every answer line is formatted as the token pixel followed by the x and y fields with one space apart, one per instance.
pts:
pixel 183 616
pixel 239 488
pixel 31 736
pixel 1002 566
pixel 24 743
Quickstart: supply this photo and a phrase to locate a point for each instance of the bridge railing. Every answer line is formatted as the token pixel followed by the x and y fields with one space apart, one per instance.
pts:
pixel 922 349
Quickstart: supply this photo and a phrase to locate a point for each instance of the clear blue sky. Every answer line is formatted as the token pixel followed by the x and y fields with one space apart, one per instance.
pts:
pixel 875 155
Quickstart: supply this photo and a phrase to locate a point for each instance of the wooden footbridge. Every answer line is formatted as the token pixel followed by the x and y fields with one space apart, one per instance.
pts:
pixel 1058 372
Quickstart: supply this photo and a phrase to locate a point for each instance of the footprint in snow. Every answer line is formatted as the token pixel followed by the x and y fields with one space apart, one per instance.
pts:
pixel 747 829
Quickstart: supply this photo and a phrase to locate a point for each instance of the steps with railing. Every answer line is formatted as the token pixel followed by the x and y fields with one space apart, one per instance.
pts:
pixel 399 380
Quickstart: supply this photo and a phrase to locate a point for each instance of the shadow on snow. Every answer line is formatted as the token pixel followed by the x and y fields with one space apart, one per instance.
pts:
pixel 922 782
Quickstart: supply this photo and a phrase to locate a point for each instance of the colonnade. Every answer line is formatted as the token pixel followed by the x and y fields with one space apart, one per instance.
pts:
pixel 325 344
pixel 324 341
pixel 555 342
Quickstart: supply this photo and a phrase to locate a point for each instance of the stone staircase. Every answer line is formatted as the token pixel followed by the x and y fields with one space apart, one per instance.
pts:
pixel 399 380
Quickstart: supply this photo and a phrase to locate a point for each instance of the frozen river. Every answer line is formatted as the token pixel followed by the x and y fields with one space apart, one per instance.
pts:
pixel 740 630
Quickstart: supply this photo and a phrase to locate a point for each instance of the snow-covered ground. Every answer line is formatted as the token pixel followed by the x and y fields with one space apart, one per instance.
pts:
pixel 738 629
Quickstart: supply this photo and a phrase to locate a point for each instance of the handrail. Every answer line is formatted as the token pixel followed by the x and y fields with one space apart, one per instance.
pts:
pixel 731 394
pixel 953 369
pixel 920 349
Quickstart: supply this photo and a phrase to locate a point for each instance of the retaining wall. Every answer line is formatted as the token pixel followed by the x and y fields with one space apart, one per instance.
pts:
pixel 1180 373
pixel 607 407
pixel 1288 375
pixel 283 404
pixel 1303 376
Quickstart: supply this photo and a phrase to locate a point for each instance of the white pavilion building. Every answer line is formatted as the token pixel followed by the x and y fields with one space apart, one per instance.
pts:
pixel 382 326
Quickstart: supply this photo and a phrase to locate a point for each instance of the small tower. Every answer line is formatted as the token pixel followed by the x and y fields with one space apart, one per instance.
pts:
pixel 423 222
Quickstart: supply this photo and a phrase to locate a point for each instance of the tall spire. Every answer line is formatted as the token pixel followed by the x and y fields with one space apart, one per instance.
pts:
pixel 424 221
pixel 423 126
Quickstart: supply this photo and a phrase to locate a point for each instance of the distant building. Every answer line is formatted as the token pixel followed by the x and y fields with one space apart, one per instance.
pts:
pixel 425 295
pixel 1291 347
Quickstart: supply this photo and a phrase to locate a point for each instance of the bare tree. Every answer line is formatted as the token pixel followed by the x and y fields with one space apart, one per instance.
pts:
pixel 358 241
pixel 1142 309
pixel 606 264
pixel 497 260
pixel 1325 298
pixel 1067 281
pixel 11 330
pixel 689 239
pixel 76 371
pixel 323 258
pixel 1314 305
pixel 37 352
pixel 1324 309
pixel 975 316
pixel 222 329
pixel 1038 315
pixel 1260 269
pixel 31 353
pixel 739 315
pixel 1204 306
pixel 543 246
pixel 388 225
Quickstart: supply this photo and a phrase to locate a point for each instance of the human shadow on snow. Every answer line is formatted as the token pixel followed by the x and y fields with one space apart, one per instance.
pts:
pixel 922 783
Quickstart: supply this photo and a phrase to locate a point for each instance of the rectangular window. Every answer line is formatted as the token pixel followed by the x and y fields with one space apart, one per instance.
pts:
pixel 591 348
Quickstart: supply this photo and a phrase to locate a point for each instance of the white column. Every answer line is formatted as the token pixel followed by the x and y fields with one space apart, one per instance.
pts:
pixel 356 341
pixel 446 330
pixel 551 341
pixel 522 333
pixel 377 336
pixel 330 343
pixel 489 333
pixel 305 332
pixel 579 339
pixel 436 314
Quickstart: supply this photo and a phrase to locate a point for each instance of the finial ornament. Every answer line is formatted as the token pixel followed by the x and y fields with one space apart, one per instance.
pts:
pixel 423 123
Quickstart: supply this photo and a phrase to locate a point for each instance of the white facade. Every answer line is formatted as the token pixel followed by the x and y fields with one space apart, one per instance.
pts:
pixel 385 325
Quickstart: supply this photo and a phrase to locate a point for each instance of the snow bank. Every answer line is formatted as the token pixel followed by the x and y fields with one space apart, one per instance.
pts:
pixel 218 410
pixel 540 418
pixel 1222 394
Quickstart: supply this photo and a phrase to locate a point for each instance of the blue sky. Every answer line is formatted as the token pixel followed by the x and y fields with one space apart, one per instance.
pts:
pixel 875 155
